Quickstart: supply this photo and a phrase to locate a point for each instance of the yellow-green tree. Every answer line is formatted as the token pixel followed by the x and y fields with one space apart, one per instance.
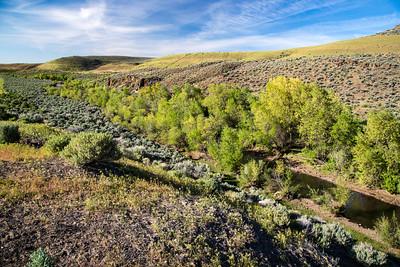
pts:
pixel 377 152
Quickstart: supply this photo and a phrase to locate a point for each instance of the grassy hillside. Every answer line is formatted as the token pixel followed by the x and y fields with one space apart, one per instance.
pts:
pixel 78 63
pixel 16 67
pixel 376 44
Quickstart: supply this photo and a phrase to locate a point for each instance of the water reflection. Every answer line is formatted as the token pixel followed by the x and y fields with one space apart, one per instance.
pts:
pixel 359 208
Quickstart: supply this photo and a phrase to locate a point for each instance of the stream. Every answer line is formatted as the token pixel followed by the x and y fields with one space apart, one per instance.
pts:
pixel 359 208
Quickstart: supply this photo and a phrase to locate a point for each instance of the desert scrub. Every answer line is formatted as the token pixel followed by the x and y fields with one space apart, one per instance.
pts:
pixel 89 147
pixel 9 133
pixel 252 174
pixel 388 229
pixel 284 183
pixel 208 232
pixel 328 234
pixel 35 134
pixel 57 143
pixel 366 254
pixel 271 217
pixel 31 117
pixel 40 258
pixel 1 86
pixel 123 193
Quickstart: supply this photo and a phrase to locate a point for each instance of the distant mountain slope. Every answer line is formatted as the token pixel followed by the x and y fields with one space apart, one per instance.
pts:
pixel 386 42
pixel 394 31
pixel 17 66
pixel 84 63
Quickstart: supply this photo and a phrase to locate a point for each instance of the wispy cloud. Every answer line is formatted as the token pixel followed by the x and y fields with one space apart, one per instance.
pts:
pixel 156 27
pixel 228 15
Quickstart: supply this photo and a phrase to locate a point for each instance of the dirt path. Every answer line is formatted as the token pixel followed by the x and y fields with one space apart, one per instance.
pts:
pixel 297 165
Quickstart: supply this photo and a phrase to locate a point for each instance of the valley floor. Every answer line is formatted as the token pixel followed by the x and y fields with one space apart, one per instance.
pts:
pixel 135 212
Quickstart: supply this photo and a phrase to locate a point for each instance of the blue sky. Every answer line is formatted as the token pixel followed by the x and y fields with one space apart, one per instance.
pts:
pixel 37 31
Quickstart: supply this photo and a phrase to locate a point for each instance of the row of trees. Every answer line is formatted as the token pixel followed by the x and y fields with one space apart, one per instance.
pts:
pixel 227 120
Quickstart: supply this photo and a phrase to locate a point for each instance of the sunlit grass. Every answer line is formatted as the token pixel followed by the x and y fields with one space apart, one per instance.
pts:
pixel 365 45
pixel 20 152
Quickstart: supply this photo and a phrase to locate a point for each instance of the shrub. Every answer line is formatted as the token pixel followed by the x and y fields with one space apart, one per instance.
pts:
pixel 391 182
pixel 252 174
pixel 331 233
pixel 366 254
pixel 89 147
pixel 389 230
pixel 57 143
pixel 272 217
pixel 284 179
pixel 35 134
pixel 1 86
pixel 191 169
pixel 3 113
pixel 228 152
pixel 9 133
pixel 39 258
pixel 333 200
pixel 31 118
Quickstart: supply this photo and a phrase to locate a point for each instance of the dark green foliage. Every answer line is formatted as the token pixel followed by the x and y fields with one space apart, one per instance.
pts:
pixel 39 258
pixel 284 182
pixel 14 104
pixel 3 113
pixel 88 147
pixel 57 143
pixel 9 133
pixel 31 118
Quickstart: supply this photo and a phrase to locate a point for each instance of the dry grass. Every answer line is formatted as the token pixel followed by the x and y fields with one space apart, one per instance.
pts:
pixel 365 45
pixel 120 192
pixel 17 67
pixel 35 186
pixel 20 152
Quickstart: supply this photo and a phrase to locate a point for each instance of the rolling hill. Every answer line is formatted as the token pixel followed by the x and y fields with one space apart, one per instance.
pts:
pixel 84 63
pixel 376 44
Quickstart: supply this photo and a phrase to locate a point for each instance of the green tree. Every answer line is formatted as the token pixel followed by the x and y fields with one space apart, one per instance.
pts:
pixel 227 106
pixel 228 151
pixel 276 113
pixel 377 152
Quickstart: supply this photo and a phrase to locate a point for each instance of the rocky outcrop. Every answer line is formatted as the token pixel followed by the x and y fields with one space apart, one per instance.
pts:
pixel 131 81
pixel 394 31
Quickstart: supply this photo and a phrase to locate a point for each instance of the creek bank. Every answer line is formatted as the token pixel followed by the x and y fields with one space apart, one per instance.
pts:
pixel 298 165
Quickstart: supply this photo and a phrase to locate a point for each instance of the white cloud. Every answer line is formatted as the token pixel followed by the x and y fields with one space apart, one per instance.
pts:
pixel 52 25
pixel 229 16
pixel 128 27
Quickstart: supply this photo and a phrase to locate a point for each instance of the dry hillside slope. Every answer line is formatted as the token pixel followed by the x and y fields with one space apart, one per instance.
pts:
pixel 364 72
